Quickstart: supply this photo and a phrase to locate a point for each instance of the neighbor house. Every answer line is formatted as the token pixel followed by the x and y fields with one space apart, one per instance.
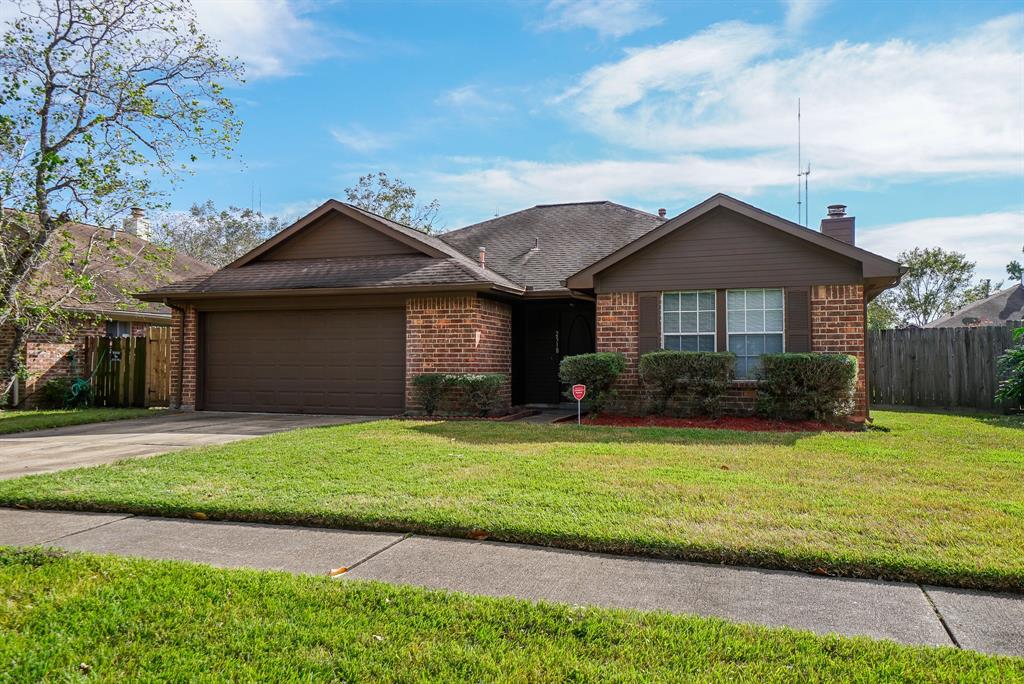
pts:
pixel 117 267
pixel 338 312
pixel 1001 308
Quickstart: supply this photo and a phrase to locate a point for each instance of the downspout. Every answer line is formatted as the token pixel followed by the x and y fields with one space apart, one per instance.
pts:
pixel 181 353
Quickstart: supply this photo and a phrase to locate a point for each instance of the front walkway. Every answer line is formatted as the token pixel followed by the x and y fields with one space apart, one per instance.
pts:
pixel 44 451
pixel 902 612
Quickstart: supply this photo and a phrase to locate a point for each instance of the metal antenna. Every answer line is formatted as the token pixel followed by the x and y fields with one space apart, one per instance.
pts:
pixel 805 203
pixel 799 164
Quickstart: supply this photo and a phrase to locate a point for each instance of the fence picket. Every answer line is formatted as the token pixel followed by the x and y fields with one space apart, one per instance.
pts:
pixel 937 366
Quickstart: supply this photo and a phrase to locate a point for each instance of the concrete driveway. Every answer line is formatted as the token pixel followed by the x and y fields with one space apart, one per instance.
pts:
pixel 45 451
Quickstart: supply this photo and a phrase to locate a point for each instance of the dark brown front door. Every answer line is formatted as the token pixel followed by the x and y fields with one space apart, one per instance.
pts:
pixel 317 361
pixel 552 331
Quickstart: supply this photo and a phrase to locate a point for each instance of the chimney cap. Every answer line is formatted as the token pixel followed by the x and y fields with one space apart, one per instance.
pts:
pixel 662 212
pixel 138 211
pixel 836 210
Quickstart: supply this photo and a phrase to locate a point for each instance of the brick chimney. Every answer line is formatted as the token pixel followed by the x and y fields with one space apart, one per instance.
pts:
pixel 838 225
pixel 137 224
pixel 483 257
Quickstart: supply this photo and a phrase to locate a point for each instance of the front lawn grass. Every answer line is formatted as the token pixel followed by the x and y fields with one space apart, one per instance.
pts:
pixel 925 497
pixel 94 618
pixel 23 421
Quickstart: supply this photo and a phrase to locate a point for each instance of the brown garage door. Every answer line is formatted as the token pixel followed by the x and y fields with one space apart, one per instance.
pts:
pixel 323 361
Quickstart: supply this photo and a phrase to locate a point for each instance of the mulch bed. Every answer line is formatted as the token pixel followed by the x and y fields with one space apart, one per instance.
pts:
pixel 744 423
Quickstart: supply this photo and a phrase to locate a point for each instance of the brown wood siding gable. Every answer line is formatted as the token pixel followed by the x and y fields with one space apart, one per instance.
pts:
pixel 649 315
pixel 335 235
pixel 724 250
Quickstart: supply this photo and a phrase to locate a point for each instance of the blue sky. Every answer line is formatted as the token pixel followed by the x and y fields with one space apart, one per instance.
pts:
pixel 913 112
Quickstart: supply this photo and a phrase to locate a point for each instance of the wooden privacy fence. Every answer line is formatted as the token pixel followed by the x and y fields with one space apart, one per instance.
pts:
pixel 937 366
pixel 131 371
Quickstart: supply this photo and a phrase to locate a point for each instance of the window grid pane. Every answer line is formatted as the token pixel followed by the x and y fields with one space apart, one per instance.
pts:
pixel 688 320
pixel 755 323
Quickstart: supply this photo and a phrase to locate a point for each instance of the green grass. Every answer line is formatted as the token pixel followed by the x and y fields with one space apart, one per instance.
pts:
pixel 70 617
pixel 23 421
pixel 926 497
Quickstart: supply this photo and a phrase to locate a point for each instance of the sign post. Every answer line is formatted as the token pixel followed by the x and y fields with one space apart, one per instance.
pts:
pixel 578 392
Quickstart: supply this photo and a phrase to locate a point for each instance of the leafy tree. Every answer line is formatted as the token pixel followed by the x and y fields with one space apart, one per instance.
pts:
pixel 882 313
pixel 1015 271
pixel 392 199
pixel 937 282
pixel 97 97
pixel 216 237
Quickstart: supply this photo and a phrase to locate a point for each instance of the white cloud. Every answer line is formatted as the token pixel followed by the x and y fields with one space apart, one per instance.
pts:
pixel 271 37
pixel 677 181
pixel 610 18
pixel 800 13
pixel 991 240
pixel 893 109
pixel 361 140
pixel 472 100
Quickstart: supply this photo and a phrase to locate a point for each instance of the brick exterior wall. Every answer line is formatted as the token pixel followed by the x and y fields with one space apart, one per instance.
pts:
pixel 838 315
pixel 47 356
pixel 837 326
pixel 618 330
pixel 184 369
pixel 457 334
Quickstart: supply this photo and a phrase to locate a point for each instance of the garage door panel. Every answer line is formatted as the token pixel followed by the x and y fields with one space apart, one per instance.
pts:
pixel 332 361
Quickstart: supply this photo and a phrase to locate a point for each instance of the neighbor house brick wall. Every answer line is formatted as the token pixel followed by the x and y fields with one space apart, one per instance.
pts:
pixel 457 334
pixel 184 357
pixel 618 330
pixel 838 326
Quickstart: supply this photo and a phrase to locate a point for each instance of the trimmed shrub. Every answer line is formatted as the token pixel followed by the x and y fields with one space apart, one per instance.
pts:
pixel 691 383
pixel 597 371
pixel 807 385
pixel 482 391
pixel 429 389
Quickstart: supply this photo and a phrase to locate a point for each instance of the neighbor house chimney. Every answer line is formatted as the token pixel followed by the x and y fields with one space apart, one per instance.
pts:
pixel 838 225
pixel 661 213
pixel 136 224
pixel 483 257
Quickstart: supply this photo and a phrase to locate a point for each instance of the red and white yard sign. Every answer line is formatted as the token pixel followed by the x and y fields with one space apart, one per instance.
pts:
pixel 578 392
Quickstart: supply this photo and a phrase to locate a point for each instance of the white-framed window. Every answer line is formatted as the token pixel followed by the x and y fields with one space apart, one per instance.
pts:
pixel 755 323
pixel 688 320
pixel 119 329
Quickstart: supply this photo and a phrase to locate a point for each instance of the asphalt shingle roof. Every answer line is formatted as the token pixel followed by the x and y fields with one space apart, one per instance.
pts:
pixel 338 272
pixel 1005 305
pixel 542 246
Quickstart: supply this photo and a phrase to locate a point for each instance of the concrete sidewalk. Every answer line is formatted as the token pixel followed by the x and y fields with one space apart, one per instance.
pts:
pixel 902 612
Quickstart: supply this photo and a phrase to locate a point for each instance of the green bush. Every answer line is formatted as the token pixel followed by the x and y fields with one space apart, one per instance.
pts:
pixel 456 391
pixel 801 386
pixel 66 393
pixel 597 371
pixel 481 391
pixel 1011 368
pixel 429 389
pixel 688 382
pixel 54 392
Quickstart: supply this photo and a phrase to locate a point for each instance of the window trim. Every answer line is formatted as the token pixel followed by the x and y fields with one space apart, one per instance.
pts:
pixel 661 316
pixel 729 333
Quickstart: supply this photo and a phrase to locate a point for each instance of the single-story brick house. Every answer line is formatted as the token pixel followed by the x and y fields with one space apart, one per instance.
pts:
pixel 117 267
pixel 338 312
